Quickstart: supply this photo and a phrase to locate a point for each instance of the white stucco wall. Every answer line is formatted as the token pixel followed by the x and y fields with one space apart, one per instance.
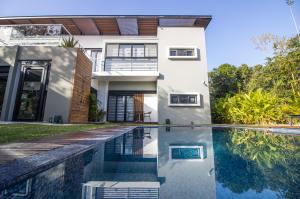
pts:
pixel 150 104
pixel 182 75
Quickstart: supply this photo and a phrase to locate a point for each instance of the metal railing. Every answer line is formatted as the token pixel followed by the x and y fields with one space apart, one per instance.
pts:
pixel 130 64
pixel 33 34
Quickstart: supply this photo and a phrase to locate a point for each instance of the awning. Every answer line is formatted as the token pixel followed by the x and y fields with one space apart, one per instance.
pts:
pixel 113 25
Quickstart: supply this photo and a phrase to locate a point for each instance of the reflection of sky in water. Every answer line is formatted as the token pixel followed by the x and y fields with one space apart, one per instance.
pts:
pixel 209 164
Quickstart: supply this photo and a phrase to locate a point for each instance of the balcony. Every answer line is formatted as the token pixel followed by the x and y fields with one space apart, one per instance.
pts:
pixel 130 64
pixel 32 35
pixel 125 69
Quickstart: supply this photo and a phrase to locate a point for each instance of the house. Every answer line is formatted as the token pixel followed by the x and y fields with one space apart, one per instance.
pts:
pixel 143 68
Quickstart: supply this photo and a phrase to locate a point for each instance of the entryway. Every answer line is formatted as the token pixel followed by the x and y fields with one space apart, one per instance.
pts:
pixel 32 91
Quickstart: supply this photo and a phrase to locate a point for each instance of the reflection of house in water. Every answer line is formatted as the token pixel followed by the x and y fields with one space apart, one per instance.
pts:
pixel 186 163
pixel 129 168
pixel 61 181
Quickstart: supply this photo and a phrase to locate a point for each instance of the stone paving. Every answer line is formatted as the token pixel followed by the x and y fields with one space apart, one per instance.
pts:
pixel 19 160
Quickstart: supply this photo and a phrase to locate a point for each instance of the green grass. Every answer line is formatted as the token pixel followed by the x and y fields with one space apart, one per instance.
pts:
pixel 23 132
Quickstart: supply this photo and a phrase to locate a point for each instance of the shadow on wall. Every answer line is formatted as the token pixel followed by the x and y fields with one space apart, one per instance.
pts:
pixel 182 115
pixel 61 75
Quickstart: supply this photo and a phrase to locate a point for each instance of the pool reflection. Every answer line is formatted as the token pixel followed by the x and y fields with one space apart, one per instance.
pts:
pixel 175 163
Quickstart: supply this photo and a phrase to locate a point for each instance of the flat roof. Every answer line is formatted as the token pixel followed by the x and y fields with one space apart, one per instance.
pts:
pixel 113 24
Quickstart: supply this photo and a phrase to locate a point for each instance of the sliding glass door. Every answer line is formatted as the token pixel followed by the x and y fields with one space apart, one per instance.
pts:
pixel 120 108
pixel 4 70
pixel 32 91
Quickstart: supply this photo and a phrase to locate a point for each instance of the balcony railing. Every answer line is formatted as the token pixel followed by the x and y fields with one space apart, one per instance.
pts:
pixel 29 35
pixel 130 64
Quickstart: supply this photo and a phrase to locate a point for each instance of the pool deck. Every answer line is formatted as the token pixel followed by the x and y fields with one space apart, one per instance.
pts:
pixel 20 160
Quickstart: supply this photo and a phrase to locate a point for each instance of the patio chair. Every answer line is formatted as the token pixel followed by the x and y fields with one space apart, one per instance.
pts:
pixel 147 115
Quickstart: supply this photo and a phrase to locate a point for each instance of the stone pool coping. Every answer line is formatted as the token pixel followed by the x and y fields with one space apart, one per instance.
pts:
pixel 20 169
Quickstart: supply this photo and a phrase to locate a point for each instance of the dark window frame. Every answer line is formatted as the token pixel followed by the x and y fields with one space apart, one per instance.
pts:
pixel 131 57
pixel 44 90
pixel 185 50
pixel 181 100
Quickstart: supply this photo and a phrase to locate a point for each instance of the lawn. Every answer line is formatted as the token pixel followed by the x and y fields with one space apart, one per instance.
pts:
pixel 23 132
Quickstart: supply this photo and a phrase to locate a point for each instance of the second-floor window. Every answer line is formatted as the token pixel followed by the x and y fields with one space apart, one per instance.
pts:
pixel 95 55
pixel 183 53
pixel 131 50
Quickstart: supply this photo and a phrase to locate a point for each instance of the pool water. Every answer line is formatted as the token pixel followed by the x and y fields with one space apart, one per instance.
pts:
pixel 176 162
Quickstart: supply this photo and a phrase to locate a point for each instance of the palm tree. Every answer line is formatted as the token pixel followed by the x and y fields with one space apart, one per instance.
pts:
pixel 290 3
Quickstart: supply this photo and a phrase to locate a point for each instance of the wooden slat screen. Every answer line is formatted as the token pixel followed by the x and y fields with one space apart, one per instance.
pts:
pixel 138 106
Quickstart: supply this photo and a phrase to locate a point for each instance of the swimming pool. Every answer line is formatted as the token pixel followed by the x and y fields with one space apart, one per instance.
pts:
pixel 176 162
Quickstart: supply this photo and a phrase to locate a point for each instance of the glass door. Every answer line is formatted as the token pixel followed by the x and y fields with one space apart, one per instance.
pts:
pixel 120 108
pixel 4 70
pixel 32 92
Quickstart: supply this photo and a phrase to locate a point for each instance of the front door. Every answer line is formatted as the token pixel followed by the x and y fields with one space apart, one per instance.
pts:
pixel 32 91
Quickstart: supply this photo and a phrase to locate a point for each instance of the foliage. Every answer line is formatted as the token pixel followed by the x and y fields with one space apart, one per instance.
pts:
pixel 260 161
pixel 255 107
pixel 275 157
pixel 263 94
pixel 69 42
pixel 96 114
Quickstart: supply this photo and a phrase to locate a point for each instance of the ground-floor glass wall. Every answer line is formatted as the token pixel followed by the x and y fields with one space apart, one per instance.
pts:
pixel 4 70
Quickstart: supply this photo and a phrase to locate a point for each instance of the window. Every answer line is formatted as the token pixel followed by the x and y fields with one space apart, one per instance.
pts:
pixel 138 51
pixel 112 50
pixel 182 53
pixel 184 99
pixel 125 51
pixel 96 59
pixel 131 50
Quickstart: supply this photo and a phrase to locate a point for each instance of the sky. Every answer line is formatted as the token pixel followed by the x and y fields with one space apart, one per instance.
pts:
pixel 228 36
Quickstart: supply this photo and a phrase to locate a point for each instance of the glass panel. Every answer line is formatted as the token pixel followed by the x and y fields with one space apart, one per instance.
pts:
pixel 30 94
pixel 138 51
pixel 125 51
pixel 183 99
pixel 192 99
pixel 96 59
pixel 150 50
pixel 120 108
pixel 129 108
pixel 112 108
pixel 112 50
pixel 3 80
pixel 174 99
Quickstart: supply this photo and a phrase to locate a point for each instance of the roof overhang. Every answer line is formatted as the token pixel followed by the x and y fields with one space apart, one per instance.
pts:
pixel 113 25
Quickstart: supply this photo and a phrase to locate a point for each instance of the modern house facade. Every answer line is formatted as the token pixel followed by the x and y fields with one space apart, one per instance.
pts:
pixel 143 68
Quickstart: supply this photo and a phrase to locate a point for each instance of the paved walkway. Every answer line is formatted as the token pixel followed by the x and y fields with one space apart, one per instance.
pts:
pixel 9 152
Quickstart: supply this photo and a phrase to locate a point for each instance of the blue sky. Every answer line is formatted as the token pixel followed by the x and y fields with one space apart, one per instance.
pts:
pixel 228 36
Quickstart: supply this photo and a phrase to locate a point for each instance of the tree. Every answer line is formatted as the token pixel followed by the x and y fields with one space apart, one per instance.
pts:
pixel 290 3
pixel 223 81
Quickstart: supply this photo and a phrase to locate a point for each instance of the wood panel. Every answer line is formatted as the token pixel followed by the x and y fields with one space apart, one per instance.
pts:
pixel 21 21
pixel 202 22
pixel 81 89
pixel 42 21
pixel 69 25
pixel 147 26
pixel 107 26
pixel 138 106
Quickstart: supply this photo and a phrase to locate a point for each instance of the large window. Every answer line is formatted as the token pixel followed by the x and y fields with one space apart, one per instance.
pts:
pixel 131 50
pixel 189 99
